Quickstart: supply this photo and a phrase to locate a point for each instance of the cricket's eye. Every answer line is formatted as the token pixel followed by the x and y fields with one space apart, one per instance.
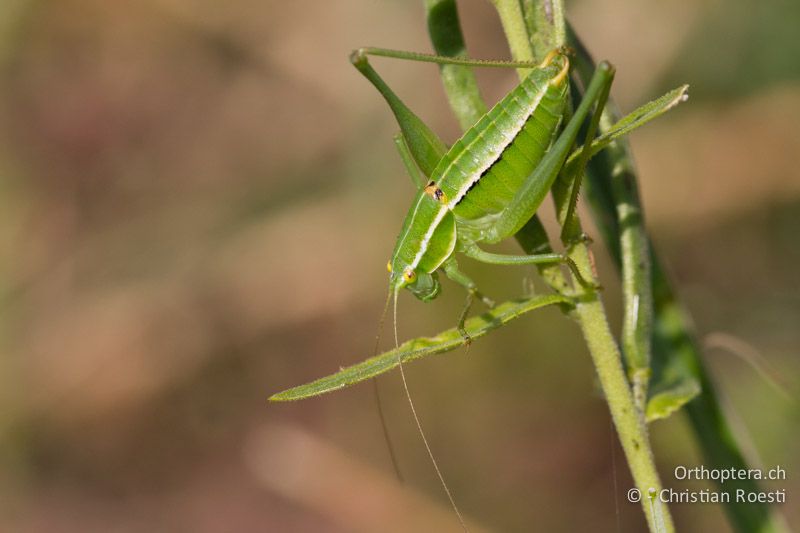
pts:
pixel 410 275
pixel 389 266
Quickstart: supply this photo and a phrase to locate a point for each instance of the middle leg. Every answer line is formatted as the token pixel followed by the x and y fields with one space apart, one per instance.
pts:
pixel 539 259
pixel 452 271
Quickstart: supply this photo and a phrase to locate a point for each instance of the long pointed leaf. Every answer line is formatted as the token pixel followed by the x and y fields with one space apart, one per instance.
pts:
pixel 421 347
pixel 636 119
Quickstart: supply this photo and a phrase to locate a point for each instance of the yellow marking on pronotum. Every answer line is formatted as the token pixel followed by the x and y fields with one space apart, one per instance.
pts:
pixel 389 266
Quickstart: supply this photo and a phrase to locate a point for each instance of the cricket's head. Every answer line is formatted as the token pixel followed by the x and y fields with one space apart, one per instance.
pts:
pixel 423 285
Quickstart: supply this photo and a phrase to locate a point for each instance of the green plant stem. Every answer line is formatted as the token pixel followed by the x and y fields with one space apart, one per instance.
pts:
pixel 513 21
pixel 632 245
pixel 630 425
pixel 590 314
pixel 545 22
pixel 635 269
pixel 628 418
pixel 460 85
pixel 674 347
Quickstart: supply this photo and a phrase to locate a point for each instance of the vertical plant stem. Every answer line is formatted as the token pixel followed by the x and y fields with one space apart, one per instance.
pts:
pixel 461 88
pixel 513 21
pixel 673 343
pixel 632 246
pixel 630 425
pixel 590 314
pixel 545 22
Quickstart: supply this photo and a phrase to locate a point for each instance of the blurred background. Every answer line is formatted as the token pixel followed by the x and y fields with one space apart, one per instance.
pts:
pixel 197 201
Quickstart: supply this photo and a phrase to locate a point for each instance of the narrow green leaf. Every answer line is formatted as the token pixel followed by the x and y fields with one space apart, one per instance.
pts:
pixel 644 114
pixel 662 404
pixel 459 82
pixel 421 347
pixel 636 119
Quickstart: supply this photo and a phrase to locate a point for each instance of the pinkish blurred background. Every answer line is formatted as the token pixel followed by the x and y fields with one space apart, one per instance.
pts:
pixel 197 201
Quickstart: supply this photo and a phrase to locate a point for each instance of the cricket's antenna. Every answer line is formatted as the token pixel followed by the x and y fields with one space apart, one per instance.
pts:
pixel 383 319
pixel 377 393
pixel 394 323
pixel 750 355
pixel 419 424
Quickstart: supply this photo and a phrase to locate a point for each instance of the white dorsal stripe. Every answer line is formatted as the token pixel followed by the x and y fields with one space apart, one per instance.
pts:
pixel 475 177
pixel 423 246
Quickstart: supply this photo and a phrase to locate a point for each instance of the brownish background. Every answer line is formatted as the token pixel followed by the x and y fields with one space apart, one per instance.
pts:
pixel 197 200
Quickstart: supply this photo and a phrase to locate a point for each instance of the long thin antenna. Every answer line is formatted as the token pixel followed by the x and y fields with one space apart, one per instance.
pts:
pixel 377 394
pixel 750 355
pixel 419 424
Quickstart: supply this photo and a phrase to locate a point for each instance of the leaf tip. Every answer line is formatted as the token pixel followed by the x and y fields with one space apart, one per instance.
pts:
pixel 671 400
pixel 279 397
